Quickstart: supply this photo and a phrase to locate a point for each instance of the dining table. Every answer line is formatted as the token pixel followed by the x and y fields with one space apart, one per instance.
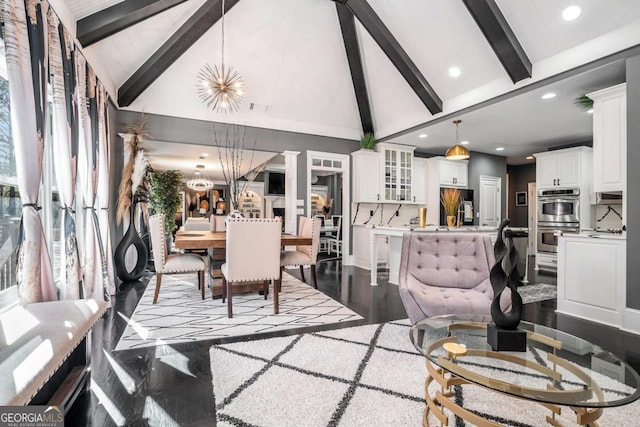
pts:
pixel 218 240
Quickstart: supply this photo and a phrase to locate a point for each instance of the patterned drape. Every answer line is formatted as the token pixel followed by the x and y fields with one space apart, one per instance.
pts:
pixel 26 52
pixel 65 150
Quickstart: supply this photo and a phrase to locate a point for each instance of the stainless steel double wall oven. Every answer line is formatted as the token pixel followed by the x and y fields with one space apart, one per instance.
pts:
pixel 558 213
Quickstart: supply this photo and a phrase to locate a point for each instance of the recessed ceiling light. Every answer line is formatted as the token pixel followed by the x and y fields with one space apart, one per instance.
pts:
pixel 500 149
pixel 590 111
pixel 571 13
pixel 422 135
pixel 549 95
pixel 454 72
pixel 529 157
pixel 464 142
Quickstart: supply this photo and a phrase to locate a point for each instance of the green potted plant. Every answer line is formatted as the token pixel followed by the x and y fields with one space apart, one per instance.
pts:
pixel 368 141
pixel 164 196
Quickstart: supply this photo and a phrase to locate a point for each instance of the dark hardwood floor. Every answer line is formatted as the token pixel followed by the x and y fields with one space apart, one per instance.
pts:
pixel 171 385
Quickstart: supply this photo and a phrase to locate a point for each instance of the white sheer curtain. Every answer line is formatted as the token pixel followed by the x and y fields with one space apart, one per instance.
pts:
pixel 65 152
pixel 103 186
pixel 92 257
pixel 25 40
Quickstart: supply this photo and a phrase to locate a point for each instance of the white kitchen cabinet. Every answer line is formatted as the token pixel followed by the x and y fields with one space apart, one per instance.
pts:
pixel 610 138
pixel 362 247
pixel 452 173
pixel 592 278
pixel 566 168
pixel 419 181
pixel 396 164
pixel 366 176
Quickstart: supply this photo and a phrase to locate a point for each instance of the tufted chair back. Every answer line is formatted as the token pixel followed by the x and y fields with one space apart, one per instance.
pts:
pixel 310 227
pixel 196 224
pixel 447 273
pixel 449 260
pixel 253 249
pixel 216 223
pixel 158 242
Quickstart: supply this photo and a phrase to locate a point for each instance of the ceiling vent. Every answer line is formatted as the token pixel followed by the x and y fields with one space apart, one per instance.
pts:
pixel 259 108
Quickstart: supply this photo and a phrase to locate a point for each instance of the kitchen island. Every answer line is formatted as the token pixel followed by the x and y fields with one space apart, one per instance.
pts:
pixel 393 237
pixel 592 277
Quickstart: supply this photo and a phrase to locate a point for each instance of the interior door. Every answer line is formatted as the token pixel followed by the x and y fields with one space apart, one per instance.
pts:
pixel 490 201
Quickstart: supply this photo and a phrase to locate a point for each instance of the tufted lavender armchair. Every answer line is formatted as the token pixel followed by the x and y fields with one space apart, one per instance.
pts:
pixel 447 273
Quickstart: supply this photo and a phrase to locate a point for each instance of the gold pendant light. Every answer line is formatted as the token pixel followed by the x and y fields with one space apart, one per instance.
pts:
pixel 457 152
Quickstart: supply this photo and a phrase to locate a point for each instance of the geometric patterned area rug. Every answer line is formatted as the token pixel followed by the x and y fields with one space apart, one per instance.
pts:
pixel 361 376
pixel 180 315
pixel 539 292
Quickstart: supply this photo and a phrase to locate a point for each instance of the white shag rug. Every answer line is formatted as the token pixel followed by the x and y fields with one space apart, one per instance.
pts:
pixel 361 376
pixel 180 315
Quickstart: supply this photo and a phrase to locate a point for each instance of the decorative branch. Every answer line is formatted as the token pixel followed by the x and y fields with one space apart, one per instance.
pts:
pixel 231 148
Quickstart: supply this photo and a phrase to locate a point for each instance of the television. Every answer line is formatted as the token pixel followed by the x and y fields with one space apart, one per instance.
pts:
pixel 274 182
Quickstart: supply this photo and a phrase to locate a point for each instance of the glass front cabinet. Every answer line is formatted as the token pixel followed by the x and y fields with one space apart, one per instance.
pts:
pixel 397 179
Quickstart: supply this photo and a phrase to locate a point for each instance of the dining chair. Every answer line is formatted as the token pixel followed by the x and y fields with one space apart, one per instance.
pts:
pixel 253 255
pixel 335 241
pixel 304 255
pixel 171 263
pixel 216 256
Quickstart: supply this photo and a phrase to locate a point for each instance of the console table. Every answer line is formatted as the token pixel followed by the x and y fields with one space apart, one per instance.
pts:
pixel 564 371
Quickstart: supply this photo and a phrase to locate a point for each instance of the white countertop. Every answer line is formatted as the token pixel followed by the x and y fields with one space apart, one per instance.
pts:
pixel 433 228
pixel 595 235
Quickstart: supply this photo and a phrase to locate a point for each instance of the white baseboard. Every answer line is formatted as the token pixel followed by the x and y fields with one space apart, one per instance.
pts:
pixel 631 320
pixel 587 317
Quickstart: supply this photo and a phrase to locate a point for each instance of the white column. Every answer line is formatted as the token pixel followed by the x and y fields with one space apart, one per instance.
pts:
pixel 290 190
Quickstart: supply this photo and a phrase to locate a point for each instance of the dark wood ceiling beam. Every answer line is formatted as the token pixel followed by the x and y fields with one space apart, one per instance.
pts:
pixel 501 38
pixel 118 17
pixel 352 49
pixel 400 59
pixel 195 27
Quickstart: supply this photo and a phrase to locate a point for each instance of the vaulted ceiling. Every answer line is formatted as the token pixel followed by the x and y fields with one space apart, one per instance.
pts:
pixel 337 68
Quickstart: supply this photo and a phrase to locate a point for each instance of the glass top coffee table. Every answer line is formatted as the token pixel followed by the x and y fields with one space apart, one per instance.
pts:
pixel 557 369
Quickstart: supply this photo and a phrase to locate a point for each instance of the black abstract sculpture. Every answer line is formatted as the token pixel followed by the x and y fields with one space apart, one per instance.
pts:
pixel 504 334
pixel 130 239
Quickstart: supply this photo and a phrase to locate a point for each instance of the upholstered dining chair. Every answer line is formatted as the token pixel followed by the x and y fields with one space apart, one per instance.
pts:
pixel 253 255
pixel 304 255
pixel 216 255
pixel 174 263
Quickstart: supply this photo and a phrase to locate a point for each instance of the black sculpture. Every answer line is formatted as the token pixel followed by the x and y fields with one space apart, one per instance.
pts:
pixel 504 334
pixel 130 239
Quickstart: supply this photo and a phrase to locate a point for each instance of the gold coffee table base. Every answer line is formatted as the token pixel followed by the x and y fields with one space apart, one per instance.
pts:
pixel 443 375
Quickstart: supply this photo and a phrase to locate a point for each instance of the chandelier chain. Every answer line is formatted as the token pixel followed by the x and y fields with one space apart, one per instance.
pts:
pixel 222 40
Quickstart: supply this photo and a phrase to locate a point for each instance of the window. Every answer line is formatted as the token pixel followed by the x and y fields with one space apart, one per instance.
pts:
pixel 10 204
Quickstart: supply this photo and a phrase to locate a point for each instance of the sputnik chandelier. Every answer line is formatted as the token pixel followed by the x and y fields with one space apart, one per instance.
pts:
pixel 221 89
